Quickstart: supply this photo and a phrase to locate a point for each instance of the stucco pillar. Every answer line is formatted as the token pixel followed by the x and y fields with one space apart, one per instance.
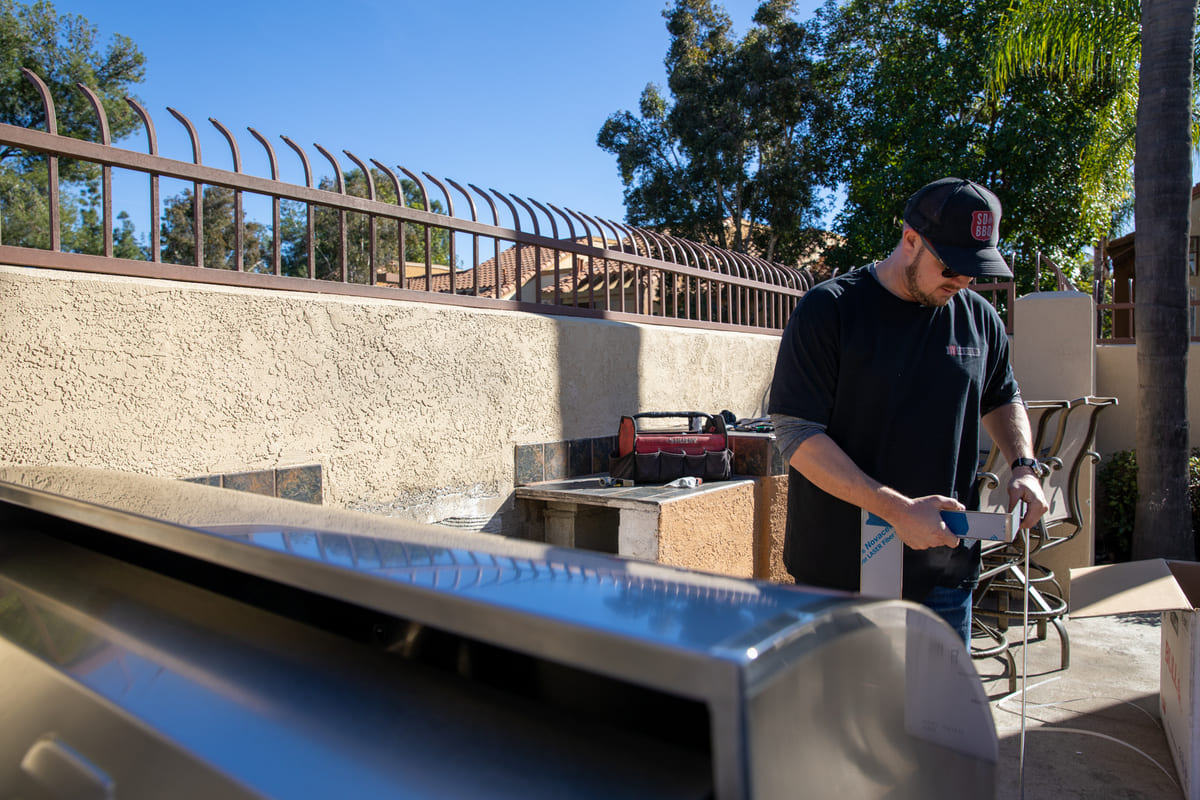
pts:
pixel 560 524
pixel 637 534
pixel 1054 345
pixel 1054 358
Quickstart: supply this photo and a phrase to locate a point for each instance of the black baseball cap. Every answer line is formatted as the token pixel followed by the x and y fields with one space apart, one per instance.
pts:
pixel 960 221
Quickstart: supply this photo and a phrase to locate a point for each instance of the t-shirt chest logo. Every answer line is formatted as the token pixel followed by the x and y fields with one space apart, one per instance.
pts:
pixel 963 351
pixel 981 226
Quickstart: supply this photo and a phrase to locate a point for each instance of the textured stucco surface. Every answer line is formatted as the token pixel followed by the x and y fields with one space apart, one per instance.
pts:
pixel 711 531
pixel 412 409
pixel 777 527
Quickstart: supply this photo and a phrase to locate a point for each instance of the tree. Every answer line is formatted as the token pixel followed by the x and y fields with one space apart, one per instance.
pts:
pixel 1083 43
pixel 294 232
pixel 220 250
pixel 734 158
pixel 62 51
pixel 915 107
pixel 1147 51
pixel 1162 183
pixel 24 211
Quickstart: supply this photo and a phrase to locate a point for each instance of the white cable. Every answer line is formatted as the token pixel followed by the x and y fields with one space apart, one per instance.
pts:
pixel 1149 716
pixel 1008 697
pixel 1121 742
pixel 1024 661
pixel 1023 691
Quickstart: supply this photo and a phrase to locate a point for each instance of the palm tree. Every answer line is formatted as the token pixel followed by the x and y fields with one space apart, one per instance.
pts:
pixel 1143 52
pixel 1089 44
pixel 1162 194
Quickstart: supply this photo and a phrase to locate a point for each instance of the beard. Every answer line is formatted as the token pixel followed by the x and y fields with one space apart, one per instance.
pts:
pixel 914 290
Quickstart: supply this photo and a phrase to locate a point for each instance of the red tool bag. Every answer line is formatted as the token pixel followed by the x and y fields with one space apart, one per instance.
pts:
pixel 699 449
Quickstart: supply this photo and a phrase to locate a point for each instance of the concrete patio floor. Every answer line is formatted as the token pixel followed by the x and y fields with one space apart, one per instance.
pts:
pixel 1083 723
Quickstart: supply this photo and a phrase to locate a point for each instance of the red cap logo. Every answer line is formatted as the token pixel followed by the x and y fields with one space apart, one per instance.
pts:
pixel 981 225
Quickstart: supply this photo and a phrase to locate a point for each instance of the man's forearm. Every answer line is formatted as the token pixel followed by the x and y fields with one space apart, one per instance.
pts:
pixel 917 521
pixel 1008 426
pixel 827 466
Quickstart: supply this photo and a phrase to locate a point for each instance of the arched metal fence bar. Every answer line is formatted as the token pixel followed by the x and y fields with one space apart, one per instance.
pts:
pixel 554 234
pixel 574 257
pixel 474 236
pixel 450 245
pixel 401 254
pixel 105 169
pixel 343 239
pixel 197 188
pixel 591 264
pixel 600 267
pixel 495 241
pixel 537 251
pixel 310 226
pixel 428 232
pixel 51 159
pixel 276 243
pixel 152 147
pixel 372 223
pixel 239 233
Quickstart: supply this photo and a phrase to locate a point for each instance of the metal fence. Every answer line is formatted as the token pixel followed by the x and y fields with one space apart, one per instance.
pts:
pixel 1114 290
pixel 467 247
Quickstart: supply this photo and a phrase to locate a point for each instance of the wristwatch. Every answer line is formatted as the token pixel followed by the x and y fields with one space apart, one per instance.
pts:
pixel 1025 462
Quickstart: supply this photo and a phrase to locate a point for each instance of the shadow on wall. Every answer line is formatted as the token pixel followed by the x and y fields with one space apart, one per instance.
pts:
pixel 597 379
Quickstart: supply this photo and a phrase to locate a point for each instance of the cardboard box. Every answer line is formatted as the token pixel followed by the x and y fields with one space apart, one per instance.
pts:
pixel 1173 588
pixel 881 553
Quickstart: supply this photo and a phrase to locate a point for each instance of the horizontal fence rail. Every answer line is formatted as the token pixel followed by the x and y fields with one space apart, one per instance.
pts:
pixel 1114 291
pixel 400 234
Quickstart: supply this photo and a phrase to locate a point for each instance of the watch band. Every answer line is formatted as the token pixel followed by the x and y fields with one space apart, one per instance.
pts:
pixel 1025 462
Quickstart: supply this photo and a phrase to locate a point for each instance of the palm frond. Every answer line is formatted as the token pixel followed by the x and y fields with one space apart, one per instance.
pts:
pixel 1081 41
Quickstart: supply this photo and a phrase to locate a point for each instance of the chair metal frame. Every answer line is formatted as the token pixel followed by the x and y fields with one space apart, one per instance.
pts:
pixel 1063 440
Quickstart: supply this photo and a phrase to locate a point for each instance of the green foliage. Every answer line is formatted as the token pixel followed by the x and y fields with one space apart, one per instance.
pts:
pixel 220 251
pixel 915 107
pixel 294 232
pixel 736 155
pixel 24 209
pixel 25 215
pixel 62 50
pixel 1116 501
pixel 1086 44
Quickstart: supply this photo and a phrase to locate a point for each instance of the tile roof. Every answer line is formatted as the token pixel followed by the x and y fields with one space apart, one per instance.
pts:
pixel 528 255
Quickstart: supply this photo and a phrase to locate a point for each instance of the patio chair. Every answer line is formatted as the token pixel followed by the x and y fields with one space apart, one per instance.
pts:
pixel 1046 423
pixel 1063 457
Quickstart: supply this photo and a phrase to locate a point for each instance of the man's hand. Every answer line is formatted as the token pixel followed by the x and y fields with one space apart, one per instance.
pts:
pixel 1026 486
pixel 919 524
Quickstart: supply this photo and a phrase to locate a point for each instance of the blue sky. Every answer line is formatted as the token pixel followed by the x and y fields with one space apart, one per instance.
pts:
pixel 508 96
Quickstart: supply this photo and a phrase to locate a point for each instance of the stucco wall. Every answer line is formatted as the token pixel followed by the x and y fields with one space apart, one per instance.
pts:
pixel 1054 359
pixel 1053 345
pixel 712 531
pixel 1116 375
pixel 412 409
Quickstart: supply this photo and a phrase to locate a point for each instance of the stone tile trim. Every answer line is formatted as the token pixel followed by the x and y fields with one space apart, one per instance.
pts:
pixel 557 461
pixel 753 454
pixel 303 484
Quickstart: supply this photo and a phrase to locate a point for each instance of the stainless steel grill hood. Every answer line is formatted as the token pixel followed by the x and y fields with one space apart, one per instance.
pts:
pixel 161 638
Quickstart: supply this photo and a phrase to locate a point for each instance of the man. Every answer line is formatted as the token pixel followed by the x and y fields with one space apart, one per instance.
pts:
pixel 883 377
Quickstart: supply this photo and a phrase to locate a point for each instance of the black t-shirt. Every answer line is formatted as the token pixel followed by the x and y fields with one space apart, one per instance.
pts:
pixel 900 388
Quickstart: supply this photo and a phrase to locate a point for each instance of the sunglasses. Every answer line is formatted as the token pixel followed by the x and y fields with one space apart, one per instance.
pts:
pixel 947 273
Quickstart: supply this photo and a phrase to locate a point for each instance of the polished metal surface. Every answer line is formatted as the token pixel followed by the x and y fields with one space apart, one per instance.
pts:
pixel 166 691
pixel 801 690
